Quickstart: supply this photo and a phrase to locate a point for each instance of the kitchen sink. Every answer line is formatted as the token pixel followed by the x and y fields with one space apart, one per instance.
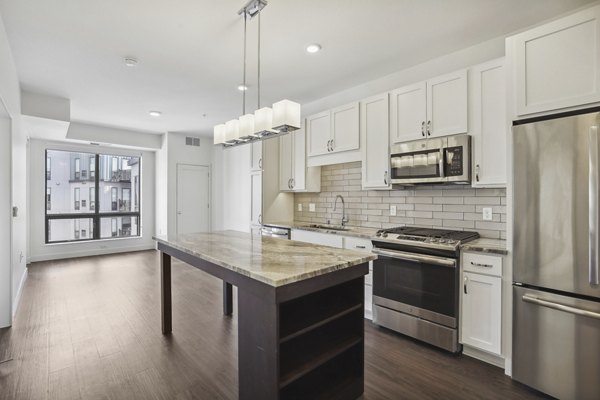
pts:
pixel 329 227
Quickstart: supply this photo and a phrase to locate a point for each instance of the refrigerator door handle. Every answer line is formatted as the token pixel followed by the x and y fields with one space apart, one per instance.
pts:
pixel 593 206
pixel 561 307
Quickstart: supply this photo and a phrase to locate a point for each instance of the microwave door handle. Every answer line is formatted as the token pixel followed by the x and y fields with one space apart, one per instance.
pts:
pixel 420 258
pixel 593 206
pixel 441 163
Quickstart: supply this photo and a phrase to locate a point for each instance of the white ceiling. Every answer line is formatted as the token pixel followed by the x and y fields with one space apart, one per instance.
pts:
pixel 190 51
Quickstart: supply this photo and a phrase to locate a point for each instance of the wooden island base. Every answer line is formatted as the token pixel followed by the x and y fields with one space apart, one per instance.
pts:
pixel 302 340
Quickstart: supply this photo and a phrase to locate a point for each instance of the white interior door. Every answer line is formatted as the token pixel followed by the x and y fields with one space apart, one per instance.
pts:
pixel 193 198
pixel 5 222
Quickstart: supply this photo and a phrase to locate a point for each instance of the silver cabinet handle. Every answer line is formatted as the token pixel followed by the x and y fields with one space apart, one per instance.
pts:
pixel 401 255
pixel 477 172
pixel 428 128
pixel 561 307
pixel 465 281
pixel 292 183
pixel 593 206
pixel 260 163
pixel 359 246
pixel 329 145
pixel 385 174
pixel 423 128
pixel 481 265
pixel 332 144
pixel 260 219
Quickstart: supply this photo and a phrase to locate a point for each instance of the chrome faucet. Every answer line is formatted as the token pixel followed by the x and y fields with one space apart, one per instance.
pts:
pixel 345 218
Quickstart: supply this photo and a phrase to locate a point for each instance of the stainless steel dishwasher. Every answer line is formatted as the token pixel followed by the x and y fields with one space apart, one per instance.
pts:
pixel 276 232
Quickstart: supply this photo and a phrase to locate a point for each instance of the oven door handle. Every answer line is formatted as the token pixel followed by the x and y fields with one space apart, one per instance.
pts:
pixel 420 258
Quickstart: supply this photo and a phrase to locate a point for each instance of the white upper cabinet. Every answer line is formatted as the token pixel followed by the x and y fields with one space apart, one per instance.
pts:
pixel 293 173
pixel 374 135
pixel 408 113
pixel 318 129
pixel 344 128
pixel 447 104
pixel 488 123
pixel 256 198
pixel 557 65
pixel 435 107
pixel 333 131
pixel 256 156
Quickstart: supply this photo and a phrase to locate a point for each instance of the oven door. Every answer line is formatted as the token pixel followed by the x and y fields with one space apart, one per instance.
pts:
pixel 416 284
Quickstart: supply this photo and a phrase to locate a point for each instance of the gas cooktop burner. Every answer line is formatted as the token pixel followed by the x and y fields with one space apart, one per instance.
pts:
pixel 416 236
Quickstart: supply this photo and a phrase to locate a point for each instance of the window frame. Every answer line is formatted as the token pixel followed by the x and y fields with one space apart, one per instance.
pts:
pixel 95 215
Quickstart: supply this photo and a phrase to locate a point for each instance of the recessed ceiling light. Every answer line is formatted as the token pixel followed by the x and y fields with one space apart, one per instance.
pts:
pixel 242 88
pixel 131 62
pixel 313 48
pixel 155 113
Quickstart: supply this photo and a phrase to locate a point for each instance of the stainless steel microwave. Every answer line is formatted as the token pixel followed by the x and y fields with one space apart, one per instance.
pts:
pixel 441 160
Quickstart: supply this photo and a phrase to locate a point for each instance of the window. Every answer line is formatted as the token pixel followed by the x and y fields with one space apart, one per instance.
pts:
pixel 92 167
pixel 76 195
pixel 90 196
pixel 48 168
pixel 114 197
pixel 77 169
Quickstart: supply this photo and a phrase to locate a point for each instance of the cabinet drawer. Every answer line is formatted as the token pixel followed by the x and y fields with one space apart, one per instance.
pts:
pixel 358 244
pixel 482 263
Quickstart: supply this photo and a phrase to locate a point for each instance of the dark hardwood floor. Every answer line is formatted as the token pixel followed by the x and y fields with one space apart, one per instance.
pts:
pixel 89 328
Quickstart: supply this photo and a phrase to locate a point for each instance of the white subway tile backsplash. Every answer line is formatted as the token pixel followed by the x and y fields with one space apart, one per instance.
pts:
pixel 450 207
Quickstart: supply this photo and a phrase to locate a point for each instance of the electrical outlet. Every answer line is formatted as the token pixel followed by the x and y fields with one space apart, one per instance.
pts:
pixel 312 207
pixel 393 211
pixel 487 214
pixel 299 206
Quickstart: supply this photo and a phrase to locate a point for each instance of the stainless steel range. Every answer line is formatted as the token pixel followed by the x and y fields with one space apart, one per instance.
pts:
pixel 416 283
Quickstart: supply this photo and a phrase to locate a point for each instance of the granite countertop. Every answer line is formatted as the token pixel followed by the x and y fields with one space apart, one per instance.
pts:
pixel 484 245
pixel 273 261
pixel 354 231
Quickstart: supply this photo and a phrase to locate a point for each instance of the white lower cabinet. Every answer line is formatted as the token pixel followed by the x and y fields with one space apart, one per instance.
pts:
pixel 481 302
pixel 323 239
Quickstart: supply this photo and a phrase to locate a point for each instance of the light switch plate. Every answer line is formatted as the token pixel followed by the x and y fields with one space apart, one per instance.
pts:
pixel 311 207
pixel 487 214
pixel 393 211
pixel 299 206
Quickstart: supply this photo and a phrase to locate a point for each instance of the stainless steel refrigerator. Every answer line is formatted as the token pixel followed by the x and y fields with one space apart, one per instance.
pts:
pixel 556 296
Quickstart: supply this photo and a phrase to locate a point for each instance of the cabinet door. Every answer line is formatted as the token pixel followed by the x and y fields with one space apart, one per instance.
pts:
pixel 256 156
pixel 285 162
pixel 323 239
pixel 345 128
pixel 318 130
pixel 375 134
pixel 447 104
pixel 487 121
pixel 408 115
pixel 256 198
pixel 482 312
pixel 557 65
pixel 299 159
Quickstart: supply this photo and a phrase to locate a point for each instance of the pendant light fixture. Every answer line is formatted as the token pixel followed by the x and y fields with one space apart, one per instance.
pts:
pixel 284 117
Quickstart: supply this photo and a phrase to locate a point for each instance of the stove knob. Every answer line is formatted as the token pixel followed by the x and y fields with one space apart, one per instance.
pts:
pixel 378 234
pixel 442 241
pixel 384 235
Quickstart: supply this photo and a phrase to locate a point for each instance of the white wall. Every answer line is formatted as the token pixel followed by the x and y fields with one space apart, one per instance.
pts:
pixel 161 197
pixel 235 188
pixel 13 162
pixel 41 251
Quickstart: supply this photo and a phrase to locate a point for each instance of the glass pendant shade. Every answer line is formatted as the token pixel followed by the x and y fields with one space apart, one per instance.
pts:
pixel 247 126
pixel 232 130
pixel 286 116
pixel 219 133
pixel 263 121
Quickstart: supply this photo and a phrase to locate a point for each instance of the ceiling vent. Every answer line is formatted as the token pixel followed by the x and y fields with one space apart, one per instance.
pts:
pixel 192 141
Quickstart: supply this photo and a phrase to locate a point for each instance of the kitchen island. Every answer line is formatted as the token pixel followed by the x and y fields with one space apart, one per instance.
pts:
pixel 300 310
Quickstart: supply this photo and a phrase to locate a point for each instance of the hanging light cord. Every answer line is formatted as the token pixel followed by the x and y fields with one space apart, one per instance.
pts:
pixel 258 83
pixel 244 83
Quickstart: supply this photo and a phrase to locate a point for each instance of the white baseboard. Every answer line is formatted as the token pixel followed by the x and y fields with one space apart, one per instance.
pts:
pixel 17 298
pixel 368 314
pixel 92 252
pixel 484 356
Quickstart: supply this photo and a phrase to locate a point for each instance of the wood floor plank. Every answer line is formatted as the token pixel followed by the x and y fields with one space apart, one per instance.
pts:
pixel 89 328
